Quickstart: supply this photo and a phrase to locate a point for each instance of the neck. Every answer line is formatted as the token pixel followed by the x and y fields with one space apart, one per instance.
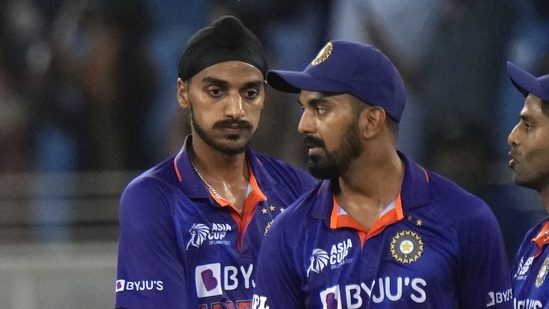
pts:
pixel 544 197
pixel 378 180
pixel 213 163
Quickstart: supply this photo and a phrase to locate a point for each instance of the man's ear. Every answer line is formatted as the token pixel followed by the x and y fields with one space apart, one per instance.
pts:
pixel 372 120
pixel 182 93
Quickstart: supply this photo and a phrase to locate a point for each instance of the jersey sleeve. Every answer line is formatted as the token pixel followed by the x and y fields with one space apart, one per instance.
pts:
pixel 277 280
pixel 484 279
pixel 149 270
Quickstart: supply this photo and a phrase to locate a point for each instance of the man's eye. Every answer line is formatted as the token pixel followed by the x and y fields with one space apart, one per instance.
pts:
pixel 215 92
pixel 320 110
pixel 251 94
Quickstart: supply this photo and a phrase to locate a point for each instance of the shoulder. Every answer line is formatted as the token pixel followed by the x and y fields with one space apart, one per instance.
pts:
pixel 148 191
pixel 158 177
pixel 300 213
pixel 454 198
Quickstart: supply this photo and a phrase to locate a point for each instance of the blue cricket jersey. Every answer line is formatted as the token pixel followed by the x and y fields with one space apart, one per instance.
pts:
pixel 436 247
pixel 181 248
pixel 530 283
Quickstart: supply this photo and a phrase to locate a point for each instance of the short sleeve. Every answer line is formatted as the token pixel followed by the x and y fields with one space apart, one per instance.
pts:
pixel 149 272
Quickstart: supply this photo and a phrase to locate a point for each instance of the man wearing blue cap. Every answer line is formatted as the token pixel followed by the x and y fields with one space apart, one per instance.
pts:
pixel 529 142
pixel 191 227
pixel 380 231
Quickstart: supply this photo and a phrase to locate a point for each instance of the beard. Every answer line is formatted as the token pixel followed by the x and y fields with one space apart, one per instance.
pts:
pixel 336 163
pixel 534 174
pixel 232 148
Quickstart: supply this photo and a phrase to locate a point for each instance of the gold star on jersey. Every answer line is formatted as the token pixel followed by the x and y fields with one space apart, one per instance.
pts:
pixel 406 247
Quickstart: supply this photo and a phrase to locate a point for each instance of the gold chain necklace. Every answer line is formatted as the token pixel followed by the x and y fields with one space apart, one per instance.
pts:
pixel 210 186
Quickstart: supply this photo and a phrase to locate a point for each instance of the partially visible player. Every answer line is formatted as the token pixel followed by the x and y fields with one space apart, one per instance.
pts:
pixel 380 231
pixel 191 227
pixel 529 153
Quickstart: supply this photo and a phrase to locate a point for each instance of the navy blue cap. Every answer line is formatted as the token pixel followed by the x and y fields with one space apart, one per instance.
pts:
pixel 527 83
pixel 349 67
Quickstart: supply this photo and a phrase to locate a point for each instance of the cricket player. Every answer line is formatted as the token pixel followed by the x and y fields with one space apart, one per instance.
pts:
pixel 380 231
pixel 191 227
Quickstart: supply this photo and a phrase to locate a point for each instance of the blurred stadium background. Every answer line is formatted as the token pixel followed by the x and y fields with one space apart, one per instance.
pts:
pixel 87 101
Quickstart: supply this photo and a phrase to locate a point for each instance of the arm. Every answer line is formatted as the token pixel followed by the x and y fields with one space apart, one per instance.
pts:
pixel 149 272
pixel 277 281
pixel 483 278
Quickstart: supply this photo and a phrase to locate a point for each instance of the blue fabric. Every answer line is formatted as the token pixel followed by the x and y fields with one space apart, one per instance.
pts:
pixel 180 249
pixel 447 252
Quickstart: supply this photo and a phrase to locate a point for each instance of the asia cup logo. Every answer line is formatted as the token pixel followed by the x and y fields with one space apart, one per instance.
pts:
pixel 199 232
pixel 523 268
pixel 215 235
pixel 319 260
pixel 337 256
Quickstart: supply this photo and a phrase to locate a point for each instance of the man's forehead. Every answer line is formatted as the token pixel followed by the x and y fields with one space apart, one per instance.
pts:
pixel 227 73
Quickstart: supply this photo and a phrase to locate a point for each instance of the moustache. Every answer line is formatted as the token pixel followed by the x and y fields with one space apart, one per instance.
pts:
pixel 311 141
pixel 233 124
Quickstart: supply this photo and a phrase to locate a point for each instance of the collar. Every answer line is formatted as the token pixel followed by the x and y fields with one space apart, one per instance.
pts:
pixel 414 192
pixel 192 185
pixel 541 239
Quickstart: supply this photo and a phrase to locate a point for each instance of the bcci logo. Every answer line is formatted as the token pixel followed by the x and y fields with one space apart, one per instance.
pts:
pixel 324 53
pixel 406 247
pixel 542 273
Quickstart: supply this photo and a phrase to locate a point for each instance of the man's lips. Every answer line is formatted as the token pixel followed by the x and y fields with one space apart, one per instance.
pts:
pixel 513 160
pixel 311 142
pixel 315 151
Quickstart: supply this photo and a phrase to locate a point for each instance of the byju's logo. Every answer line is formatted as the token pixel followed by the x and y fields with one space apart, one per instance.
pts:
pixel 120 284
pixel 143 285
pixel 213 279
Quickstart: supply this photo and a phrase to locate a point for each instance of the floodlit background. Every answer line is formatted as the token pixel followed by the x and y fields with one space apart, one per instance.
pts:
pixel 87 101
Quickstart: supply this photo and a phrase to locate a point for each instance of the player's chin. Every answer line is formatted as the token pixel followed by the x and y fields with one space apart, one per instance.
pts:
pixel 235 144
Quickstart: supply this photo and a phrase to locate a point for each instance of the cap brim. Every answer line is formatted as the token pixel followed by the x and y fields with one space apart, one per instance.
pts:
pixel 525 82
pixel 294 82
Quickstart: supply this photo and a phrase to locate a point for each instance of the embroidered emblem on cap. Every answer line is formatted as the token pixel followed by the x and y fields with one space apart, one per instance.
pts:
pixel 406 247
pixel 542 272
pixel 324 53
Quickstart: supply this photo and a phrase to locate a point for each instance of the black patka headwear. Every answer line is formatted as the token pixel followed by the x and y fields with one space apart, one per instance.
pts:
pixel 225 40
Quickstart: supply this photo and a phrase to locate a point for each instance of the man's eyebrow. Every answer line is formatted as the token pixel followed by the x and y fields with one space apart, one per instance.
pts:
pixel 254 84
pixel 214 81
pixel 313 102
pixel 223 83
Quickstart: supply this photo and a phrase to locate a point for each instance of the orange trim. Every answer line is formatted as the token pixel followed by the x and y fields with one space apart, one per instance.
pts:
pixel 177 169
pixel 255 186
pixel 541 239
pixel 219 200
pixel 426 174
pixel 344 220
pixel 250 204
pixel 394 215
